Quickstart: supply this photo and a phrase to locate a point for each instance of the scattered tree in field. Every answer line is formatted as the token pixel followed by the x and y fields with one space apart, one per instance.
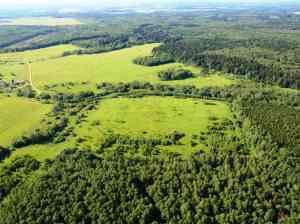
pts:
pixel 175 74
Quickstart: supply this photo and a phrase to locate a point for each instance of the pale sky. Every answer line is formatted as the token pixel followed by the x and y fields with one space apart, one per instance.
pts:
pixel 107 3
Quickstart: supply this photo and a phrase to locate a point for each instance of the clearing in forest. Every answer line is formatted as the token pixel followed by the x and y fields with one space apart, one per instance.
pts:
pixel 152 117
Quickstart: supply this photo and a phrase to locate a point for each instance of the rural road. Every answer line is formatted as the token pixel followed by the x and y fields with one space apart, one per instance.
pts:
pixel 30 77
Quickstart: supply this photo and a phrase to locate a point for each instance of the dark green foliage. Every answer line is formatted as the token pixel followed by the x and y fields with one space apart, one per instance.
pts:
pixel 51 133
pixel 16 172
pixel 281 122
pixel 26 91
pixel 175 74
pixel 4 153
pixel 153 60
pixel 215 187
pixel 10 35
pixel 145 146
pixel 243 57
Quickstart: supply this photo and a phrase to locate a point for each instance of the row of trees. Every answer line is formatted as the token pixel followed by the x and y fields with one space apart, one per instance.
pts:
pixel 138 145
pixel 153 60
pixel 45 134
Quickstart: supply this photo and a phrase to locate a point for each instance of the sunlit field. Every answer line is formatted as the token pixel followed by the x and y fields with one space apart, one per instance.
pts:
pixel 19 116
pixel 116 66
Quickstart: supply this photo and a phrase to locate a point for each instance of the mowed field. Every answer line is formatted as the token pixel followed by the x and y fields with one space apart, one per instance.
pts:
pixel 40 21
pixel 150 117
pixel 19 116
pixel 116 66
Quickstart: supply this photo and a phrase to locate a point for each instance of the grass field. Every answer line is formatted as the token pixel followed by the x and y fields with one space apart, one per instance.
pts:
pixel 37 55
pixel 40 21
pixel 116 66
pixel 151 116
pixel 135 117
pixel 18 116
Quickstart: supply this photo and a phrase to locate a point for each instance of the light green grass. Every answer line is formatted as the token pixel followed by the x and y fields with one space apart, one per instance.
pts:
pixel 36 55
pixel 151 116
pixel 116 66
pixel 148 117
pixel 17 116
pixel 39 152
pixel 41 21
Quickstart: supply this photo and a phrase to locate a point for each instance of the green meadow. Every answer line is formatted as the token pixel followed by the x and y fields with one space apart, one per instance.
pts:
pixel 40 21
pixel 116 66
pixel 19 116
pixel 37 55
pixel 150 117
pixel 140 117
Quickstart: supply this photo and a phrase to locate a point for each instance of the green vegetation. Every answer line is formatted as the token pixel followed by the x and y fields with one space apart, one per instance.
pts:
pixel 40 21
pixel 19 116
pixel 175 74
pixel 257 59
pixel 116 66
pixel 152 117
pixel 37 55
pixel 79 187
pixel 153 60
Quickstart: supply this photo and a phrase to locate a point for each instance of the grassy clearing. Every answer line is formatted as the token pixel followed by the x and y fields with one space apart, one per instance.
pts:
pixel 151 116
pixel 13 65
pixel 116 66
pixel 37 55
pixel 40 21
pixel 147 117
pixel 18 115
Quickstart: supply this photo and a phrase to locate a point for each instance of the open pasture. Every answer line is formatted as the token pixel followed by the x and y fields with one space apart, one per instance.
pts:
pixel 116 66
pixel 19 116
pixel 37 55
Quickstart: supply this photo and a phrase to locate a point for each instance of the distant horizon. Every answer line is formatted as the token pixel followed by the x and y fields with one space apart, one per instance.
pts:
pixel 104 4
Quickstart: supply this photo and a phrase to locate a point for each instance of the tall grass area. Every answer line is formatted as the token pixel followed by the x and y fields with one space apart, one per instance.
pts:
pixel 17 116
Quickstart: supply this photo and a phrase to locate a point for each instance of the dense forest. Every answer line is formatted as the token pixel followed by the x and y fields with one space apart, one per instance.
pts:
pixel 209 188
pixel 246 58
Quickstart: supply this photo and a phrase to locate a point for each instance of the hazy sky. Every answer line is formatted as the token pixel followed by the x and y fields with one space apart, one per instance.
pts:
pixel 107 3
